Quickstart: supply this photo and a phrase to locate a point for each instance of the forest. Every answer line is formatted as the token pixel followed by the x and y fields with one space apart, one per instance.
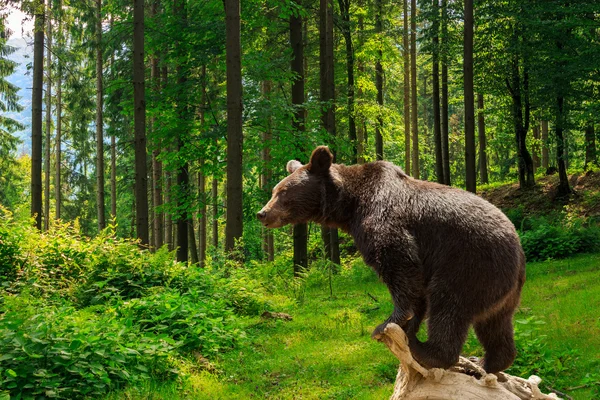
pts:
pixel 132 264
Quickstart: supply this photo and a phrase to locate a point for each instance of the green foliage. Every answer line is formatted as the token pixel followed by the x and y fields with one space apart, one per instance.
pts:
pixel 9 257
pixel 81 317
pixel 59 352
pixel 560 239
pixel 192 320
pixel 535 357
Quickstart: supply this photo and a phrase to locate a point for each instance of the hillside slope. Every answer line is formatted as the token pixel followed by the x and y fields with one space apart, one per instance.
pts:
pixel 543 199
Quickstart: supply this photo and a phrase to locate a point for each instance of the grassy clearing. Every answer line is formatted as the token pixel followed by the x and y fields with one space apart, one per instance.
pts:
pixel 326 351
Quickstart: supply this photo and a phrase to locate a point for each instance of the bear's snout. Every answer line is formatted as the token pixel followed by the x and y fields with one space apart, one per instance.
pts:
pixel 261 214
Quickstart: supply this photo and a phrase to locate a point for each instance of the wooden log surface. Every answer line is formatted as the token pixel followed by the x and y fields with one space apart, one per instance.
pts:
pixel 465 381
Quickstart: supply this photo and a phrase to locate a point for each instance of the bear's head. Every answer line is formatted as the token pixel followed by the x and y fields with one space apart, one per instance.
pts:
pixel 299 197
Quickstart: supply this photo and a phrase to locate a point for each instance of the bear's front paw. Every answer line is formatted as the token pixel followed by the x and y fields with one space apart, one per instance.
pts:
pixel 378 332
pixel 401 320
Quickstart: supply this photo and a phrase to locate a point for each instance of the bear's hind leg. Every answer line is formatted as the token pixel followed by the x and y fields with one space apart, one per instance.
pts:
pixel 447 332
pixel 496 335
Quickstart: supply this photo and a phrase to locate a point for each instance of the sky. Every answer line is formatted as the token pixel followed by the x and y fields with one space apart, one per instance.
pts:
pixel 16 24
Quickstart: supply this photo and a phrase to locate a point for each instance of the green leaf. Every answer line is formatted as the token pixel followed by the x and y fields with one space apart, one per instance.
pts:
pixel 11 373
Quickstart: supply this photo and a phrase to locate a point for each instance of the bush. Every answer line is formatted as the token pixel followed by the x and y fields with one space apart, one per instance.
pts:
pixel 191 320
pixel 545 240
pixel 81 316
pixel 9 257
pixel 64 353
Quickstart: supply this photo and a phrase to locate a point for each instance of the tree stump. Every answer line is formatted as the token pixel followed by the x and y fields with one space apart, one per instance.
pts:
pixel 465 381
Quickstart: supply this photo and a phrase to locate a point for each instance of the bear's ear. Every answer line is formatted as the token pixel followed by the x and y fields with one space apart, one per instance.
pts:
pixel 320 160
pixel 292 166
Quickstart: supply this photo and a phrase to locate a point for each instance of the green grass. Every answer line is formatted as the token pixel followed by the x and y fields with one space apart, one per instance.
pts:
pixel 326 351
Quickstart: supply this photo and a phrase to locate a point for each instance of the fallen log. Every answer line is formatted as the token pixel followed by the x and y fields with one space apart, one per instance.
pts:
pixel 464 381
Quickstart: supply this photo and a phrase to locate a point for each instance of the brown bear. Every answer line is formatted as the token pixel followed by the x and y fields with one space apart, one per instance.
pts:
pixel 441 251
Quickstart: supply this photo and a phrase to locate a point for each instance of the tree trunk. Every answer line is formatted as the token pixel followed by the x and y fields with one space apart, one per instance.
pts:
pixel 36 114
pixel 156 164
pixel 168 182
pixel 521 123
pixel 563 186
pixel 202 218
pixel 192 242
pixel 471 172
pixel 184 219
pixel 406 65
pixel 202 182
pixel 545 155
pixel 590 146
pixel 139 115
pixel 346 29
pixel 483 170
pixel 113 161
pixel 444 118
pixel 267 173
pixel 48 121
pixel 360 129
pixel 113 177
pixel 99 120
pixel 328 97
pixel 58 139
pixel 437 133
pixel 379 83
pixel 536 147
pixel 233 227
pixel 297 67
pixel 215 207
pixel 413 87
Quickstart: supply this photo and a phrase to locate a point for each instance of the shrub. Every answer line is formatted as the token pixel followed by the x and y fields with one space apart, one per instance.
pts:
pixel 9 257
pixel 545 240
pixel 192 320
pixel 64 353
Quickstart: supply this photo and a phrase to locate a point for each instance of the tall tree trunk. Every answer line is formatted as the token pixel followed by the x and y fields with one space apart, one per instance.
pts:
pixel 471 172
pixel 297 67
pixel 192 243
pixel 360 122
pixel 184 220
pixel 330 237
pixel 545 155
pixel 347 31
pixel 113 158
pixel 536 147
pixel 58 139
pixel 233 227
pixel 590 146
pixel 202 181
pixel 139 115
pixel 379 82
pixel 483 169
pixel 157 172
pixel 563 186
pixel 215 209
pixel 48 121
pixel 437 133
pixel 113 177
pixel 203 217
pixel 267 174
pixel 99 121
pixel 168 178
pixel 521 123
pixel 444 117
pixel 406 66
pixel 168 181
pixel 413 87
pixel 36 114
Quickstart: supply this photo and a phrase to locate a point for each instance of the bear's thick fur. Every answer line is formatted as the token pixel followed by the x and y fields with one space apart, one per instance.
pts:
pixel 441 251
